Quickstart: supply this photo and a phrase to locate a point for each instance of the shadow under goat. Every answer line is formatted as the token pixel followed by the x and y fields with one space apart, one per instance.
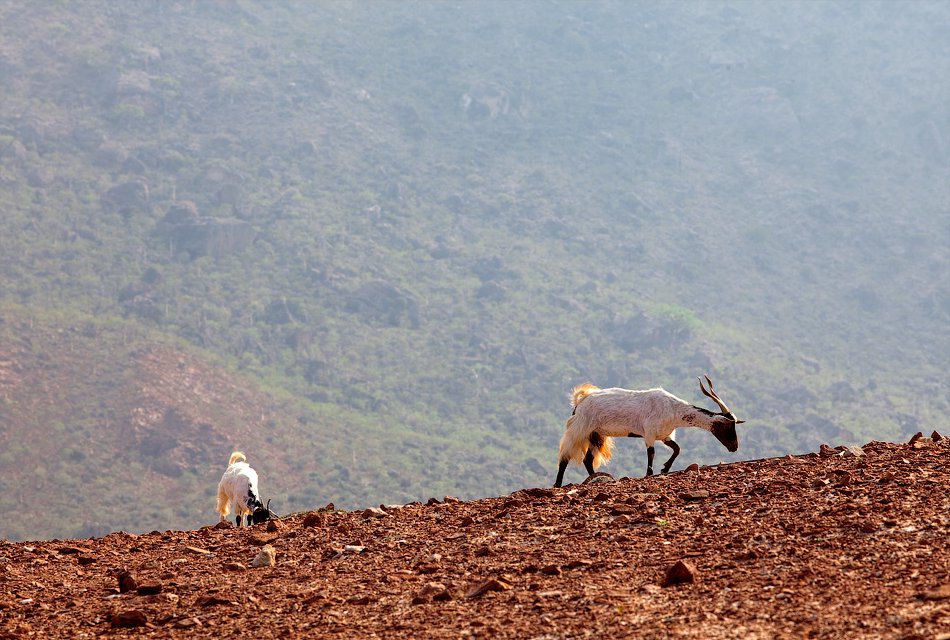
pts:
pixel 238 489
pixel 600 415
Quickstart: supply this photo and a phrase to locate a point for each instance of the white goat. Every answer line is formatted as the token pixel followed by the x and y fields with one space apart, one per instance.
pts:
pixel 238 487
pixel 600 415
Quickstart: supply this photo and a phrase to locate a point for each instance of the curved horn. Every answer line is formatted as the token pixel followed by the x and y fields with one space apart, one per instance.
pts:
pixel 715 398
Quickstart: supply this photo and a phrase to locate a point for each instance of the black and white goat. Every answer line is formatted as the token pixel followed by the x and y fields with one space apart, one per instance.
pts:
pixel 238 488
pixel 600 415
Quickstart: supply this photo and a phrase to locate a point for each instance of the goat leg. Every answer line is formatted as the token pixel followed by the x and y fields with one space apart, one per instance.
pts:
pixel 562 465
pixel 676 451
pixel 589 461
pixel 650 452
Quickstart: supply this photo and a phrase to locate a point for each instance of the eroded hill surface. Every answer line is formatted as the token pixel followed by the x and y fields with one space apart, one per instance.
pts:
pixel 848 542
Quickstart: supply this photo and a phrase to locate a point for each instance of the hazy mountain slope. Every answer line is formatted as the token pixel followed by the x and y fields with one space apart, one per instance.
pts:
pixel 426 222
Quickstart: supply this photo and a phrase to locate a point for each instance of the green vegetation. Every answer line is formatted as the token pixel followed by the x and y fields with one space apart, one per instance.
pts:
pixel 409 229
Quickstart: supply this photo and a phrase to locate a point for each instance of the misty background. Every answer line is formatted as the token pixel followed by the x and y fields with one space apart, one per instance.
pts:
pixel 375 244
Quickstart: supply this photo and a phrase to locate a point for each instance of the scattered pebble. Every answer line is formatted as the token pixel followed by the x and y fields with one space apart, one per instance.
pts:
pixel 127 582
pixel 494 584
pixel 680 573
pixel 314 519
pixel 149 589
pixel 266 557
pixel 696 494
pixel 129 619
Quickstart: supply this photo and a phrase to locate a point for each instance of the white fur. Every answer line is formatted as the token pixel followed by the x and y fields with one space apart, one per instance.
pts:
pixel 237 488
pixel 654 414
pixel 600 415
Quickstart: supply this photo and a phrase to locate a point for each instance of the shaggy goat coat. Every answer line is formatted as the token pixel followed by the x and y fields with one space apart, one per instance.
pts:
pixel 653 414
pixel 238 488
pixel 600 415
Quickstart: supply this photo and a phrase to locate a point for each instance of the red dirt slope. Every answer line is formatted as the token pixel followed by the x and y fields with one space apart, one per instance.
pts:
pixel 838 544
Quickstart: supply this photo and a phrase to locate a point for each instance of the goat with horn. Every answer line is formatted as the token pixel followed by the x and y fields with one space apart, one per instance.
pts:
pixel 600 415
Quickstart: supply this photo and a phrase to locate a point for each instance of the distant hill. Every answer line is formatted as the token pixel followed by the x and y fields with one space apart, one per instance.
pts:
pixel 391 237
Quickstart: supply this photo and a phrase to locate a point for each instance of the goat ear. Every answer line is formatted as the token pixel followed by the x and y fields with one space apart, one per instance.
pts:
pixel 739 421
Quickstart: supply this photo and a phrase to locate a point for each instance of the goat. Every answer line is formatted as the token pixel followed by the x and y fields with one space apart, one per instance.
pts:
pixel 600 415
pixel 238 487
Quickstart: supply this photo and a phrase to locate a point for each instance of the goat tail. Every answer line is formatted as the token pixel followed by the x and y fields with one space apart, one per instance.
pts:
pixel 604 451
pixel 578 437
pixel 582 391
pixel 237 456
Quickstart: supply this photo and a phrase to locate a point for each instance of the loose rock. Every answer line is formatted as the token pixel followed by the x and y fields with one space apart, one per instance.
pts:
pixel 127 582
pixel 696 494
pixel 129 619
pixel 150 589
pixel 680 573
pixel 493 584
pixel 266 557
pixel 314 519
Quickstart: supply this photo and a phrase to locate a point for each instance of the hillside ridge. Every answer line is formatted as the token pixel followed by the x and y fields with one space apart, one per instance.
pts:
pixel 844 542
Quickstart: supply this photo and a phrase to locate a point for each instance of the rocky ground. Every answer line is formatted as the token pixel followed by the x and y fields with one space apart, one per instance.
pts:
pixel 843 543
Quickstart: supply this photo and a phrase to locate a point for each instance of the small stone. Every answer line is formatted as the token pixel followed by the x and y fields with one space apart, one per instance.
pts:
pixel 696 494
pixel 360 600
pixel 265 558
pixel 680 573
pixel 127 582
pixel 481 552
pixel 451 500
pixel 936 437
pixel 187 623
pixel 85 560
pixel 870 526
pixel 443 596
pixel 539 492
pixel 598 478
pixel 211 601
pixel 149 589
pixel 198 551
pixel 551 570
pixel 940 593
pixel 430 589
pixel 842 478
pixel 824 450
pixel 852 452
pixel 129 619
pixel 353 548
pixel 494 584
pixel 466 521
pixel 234 566
pixel 375 512
pixel 314 519
pixel 161 598
pixel 432 501
pixel 693 468
pixel 68 551
pixel 435 591
pixel 223 524
pixel 274 525
pixel 917 436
